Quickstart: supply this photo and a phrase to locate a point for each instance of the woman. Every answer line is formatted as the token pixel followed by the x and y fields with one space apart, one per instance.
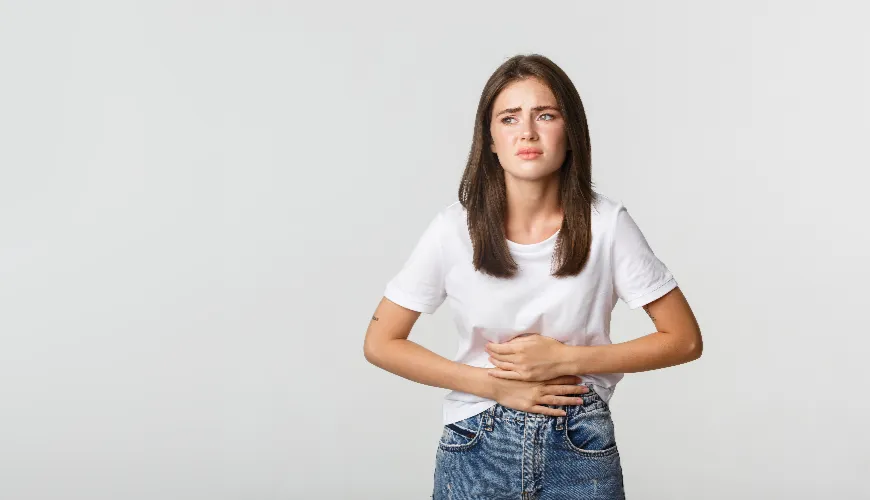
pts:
pixel 532 260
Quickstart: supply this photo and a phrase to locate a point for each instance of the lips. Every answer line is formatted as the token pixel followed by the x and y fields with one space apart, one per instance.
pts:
pixel 529 153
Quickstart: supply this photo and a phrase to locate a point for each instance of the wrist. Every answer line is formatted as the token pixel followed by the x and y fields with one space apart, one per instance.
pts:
pixel 483 384
pixel 573 359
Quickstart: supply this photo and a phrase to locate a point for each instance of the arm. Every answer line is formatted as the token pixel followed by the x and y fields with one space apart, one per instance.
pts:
pixel 676 341
pixel 536 357
pixel 387 346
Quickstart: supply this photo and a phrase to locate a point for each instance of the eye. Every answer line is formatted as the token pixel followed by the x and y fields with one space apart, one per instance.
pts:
pixel 507 118
pixel 552 117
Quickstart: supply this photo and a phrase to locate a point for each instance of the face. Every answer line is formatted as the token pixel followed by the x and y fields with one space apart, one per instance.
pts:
pixel 528 130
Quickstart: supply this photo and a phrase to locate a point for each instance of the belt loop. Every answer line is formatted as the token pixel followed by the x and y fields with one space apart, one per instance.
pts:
pixel 487 418
pixel 560 422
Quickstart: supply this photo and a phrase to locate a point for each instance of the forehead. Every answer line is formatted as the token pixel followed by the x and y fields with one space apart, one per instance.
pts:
pixel 524 93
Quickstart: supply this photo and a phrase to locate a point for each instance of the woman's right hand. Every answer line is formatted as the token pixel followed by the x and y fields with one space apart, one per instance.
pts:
pixel 531 396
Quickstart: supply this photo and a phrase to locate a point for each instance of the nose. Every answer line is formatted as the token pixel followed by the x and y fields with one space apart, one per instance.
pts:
pixel 528 131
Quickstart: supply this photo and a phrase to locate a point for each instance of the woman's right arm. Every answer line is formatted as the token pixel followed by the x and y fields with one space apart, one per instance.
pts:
pixel 387 346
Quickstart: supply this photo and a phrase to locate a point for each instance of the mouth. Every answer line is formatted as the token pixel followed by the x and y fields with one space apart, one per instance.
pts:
pixel 529 154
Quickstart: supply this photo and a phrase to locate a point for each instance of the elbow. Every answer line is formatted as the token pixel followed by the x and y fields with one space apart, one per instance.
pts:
pixel 371 353
pixel 695 350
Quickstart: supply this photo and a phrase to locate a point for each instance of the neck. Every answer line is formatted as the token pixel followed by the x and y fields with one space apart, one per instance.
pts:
pixel 533 207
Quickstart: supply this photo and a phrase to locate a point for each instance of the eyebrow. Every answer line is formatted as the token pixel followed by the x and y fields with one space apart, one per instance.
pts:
pixel 536 108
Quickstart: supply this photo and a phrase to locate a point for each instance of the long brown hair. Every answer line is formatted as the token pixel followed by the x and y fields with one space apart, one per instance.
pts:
pixel 482 190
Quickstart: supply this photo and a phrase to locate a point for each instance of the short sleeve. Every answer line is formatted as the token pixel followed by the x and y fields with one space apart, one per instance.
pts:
pixel 639 277
pixel 419 285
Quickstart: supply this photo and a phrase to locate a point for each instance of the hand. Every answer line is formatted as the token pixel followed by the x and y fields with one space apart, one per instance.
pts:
pixel 531 396
pixel 532 358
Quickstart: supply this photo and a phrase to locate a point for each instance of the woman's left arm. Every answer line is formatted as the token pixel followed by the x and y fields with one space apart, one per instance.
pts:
pixel 676 341
pixel 536 357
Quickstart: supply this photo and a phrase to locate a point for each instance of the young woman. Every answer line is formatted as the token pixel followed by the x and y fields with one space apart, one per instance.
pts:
pixel 532 261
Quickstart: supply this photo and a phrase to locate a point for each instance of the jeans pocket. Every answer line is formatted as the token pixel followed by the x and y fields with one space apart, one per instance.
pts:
pixel 591 433
pixel 462 435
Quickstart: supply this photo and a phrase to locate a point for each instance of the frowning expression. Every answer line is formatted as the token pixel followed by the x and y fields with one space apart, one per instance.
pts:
pixel 528 130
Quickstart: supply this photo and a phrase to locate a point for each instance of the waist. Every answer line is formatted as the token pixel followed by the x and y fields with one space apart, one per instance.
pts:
pixel 603 385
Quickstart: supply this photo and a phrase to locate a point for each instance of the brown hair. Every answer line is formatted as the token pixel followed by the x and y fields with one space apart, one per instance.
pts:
pixel 482 190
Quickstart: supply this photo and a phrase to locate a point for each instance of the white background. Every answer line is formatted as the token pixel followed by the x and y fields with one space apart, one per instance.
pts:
pixel 201 202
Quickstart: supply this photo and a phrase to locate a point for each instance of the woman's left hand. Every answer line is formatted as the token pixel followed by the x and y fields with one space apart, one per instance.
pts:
pixel 531 358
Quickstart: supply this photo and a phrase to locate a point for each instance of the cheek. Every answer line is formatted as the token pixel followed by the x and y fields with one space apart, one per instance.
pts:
pixel 502 137
pixel 556 137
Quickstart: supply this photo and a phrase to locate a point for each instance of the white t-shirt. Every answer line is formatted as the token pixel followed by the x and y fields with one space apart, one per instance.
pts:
pixel 574 310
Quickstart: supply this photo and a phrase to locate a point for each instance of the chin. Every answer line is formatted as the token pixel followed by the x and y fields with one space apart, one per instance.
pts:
pixel 531 172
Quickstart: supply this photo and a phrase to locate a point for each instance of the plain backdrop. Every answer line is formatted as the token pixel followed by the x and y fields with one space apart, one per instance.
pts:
pixel 201 203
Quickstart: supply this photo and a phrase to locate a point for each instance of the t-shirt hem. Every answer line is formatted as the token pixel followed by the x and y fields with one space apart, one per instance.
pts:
pixel 655 293
pixel 401 298
pixel 452 414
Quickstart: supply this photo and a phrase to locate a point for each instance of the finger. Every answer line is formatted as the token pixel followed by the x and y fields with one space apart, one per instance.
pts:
pixel 500 357
pixel 521 338
pixel 499 348
pixel 505 374
pixel 561 390
pixel 560 400
pixel 553 412
pixel 504 358
pixel 504 365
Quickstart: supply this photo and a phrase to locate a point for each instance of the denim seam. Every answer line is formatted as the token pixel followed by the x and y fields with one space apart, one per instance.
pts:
pixel 588 453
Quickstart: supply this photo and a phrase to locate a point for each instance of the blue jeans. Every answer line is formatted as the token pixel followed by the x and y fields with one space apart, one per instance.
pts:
pixel 502 453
